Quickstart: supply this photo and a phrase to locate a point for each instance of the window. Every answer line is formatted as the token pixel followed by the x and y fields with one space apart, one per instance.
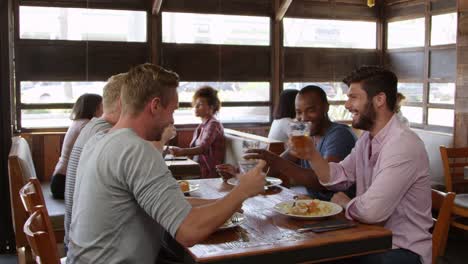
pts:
pixel 444 29
pixel 241 101
pixel 430 103
pixel 55 23
pixel 441 117
pixel 439 107
pixel 442 96
pixel 37 97
pixel 412 106
pixel 55 32
pixel 227 114
pixel 412 91
pixel 45 118
pixel 406 33
pixel 228 91
pixel 336 94
pixel 336 91
pixel 414 114
pixel 215 29
pixel 442 93
pixel 57 92
pixel 329 33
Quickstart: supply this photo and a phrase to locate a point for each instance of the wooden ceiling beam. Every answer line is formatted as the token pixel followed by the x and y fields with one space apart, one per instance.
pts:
pixel 283 9
pixel 157 6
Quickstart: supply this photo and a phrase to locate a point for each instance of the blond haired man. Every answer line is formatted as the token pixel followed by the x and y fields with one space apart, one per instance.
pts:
pixel 126 196
pixel 110 116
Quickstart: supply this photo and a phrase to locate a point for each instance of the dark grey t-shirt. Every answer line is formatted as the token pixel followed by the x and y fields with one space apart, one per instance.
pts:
pixel 124 195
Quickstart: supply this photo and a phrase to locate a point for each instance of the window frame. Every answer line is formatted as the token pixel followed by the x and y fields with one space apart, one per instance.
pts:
pixel 17 105
pixel 160 44
pixel 425 79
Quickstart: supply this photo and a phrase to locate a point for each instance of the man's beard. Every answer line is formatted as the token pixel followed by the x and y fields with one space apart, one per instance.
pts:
pixel 367 118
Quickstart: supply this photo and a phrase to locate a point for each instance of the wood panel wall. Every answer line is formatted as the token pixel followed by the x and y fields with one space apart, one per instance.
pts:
pixel 461 97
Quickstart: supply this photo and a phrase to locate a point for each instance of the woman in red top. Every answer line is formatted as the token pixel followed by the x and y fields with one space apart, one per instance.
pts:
pixel 207 146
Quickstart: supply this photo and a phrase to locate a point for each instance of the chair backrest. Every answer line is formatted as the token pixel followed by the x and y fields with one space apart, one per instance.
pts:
pixel 41 237
pixel 453 160
pixel 20 170
pixel 443 202
pixel 32 196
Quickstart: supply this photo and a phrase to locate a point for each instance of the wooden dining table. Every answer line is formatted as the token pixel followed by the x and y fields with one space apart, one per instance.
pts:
pixel 267 236
pixel 183 168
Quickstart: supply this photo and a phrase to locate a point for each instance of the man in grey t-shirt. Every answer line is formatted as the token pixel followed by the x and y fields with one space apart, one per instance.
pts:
pixel 125 195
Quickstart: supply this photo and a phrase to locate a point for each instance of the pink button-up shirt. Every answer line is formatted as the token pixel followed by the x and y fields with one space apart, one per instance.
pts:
pixel 391 172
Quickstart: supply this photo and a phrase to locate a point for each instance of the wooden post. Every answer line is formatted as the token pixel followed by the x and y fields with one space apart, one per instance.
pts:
pixel 461 95
pixel 277 57
pixel 7 239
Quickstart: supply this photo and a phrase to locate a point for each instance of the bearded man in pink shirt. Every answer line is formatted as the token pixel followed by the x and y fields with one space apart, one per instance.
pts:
pixel 389 166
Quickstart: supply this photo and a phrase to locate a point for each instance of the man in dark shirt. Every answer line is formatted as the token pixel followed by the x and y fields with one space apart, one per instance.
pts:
pixel 334 142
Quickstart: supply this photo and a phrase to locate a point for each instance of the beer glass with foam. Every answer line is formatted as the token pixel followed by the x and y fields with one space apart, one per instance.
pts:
pixel 298 132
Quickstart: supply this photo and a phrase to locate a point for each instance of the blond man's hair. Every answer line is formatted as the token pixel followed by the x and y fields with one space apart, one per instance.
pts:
pixel 112 91
pixel 143 83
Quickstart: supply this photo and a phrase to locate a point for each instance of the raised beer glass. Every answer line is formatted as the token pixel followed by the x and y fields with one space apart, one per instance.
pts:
pixel 298 132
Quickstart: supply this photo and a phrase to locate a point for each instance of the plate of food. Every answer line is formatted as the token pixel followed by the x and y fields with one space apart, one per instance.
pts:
pixel 236 220
pixel 269 181
pixel 308 209
pixel 187 187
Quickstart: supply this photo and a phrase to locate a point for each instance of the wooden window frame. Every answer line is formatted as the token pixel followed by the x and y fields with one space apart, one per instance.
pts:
pixel 18 105
pixel 426 79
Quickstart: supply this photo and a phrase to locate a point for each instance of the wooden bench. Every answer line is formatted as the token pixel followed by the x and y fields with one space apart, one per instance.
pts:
pixel 20 170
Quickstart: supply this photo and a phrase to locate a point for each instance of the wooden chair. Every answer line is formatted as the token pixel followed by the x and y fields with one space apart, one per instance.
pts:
pixel 31 195
pixel 20 170
pixel 40 235
pixel 443 202
pixel 454 160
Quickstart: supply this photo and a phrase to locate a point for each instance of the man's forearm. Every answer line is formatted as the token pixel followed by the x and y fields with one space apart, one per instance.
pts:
pixel 299 175
pixel 191 151
pixel 321 167
pixel 286 165
pixel 195 202
pixel 205 219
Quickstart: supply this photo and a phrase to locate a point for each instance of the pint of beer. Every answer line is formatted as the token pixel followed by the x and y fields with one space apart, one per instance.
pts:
pixel 299 132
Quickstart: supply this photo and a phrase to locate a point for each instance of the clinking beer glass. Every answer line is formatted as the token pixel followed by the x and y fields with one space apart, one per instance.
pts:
pixel 299 132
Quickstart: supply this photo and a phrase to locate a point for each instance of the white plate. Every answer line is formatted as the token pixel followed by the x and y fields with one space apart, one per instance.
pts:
pixel 230 224
pixel 192 187
pixel 283 207
pixel 272 181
